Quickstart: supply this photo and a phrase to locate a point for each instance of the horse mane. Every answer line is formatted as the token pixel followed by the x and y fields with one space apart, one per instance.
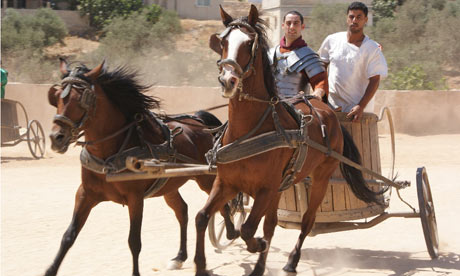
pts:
pixel 269 78
pixel 123 89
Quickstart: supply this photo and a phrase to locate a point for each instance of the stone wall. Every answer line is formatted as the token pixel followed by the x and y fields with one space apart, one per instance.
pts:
pixel 414 112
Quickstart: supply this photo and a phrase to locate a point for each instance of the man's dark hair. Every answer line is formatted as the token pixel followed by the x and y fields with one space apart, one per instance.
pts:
pixel 358 6
pixel 295 13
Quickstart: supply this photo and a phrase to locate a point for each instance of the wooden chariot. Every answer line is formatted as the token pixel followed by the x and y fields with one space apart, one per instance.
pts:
pixel 13 133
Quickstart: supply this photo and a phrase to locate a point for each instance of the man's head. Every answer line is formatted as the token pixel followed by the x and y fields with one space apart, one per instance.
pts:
pixel 356 17
pixel 293 25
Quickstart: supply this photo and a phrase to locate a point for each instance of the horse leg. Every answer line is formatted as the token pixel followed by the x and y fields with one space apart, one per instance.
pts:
pixel 83 206
pixel 219 196
pixel 271 220
pixel 262 201
pixel 175 201
pixel 320 180
pixel 135 207
pixel 205 184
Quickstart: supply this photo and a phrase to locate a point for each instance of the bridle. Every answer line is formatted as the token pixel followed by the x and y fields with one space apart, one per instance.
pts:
pixel 87 102
pixel 249 68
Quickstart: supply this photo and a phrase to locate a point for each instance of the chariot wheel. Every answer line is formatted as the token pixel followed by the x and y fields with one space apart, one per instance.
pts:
pixel 216 226
pixel 36 139
pixel 427 213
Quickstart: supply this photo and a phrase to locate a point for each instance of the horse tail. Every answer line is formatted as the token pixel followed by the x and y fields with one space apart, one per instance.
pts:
pixel 353 176
pixel 208 118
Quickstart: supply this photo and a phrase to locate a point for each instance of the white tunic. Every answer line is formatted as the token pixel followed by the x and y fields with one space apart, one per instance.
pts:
pixel 350 68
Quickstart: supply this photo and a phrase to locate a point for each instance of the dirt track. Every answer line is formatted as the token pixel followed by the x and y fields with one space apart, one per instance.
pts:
pixel 37 201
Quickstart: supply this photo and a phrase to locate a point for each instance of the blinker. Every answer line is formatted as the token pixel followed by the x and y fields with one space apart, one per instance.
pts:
pixel 67 88
pixel 66 91
pixel 225 33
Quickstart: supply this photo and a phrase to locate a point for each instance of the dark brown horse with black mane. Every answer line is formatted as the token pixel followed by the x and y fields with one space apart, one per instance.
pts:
pixel 264 147
pixel 112 112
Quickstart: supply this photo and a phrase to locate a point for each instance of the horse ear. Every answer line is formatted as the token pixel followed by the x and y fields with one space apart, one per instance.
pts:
pixel 214 43
pixel 93 74
pixel 253 15
pixel 226 18
pixel 63 66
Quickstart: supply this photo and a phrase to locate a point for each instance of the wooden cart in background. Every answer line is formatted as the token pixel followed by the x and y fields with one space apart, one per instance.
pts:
pixel 13 132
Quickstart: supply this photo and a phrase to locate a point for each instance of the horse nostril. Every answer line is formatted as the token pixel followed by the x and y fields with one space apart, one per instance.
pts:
pixel 57 137
pixel 233 82
pixel 221 81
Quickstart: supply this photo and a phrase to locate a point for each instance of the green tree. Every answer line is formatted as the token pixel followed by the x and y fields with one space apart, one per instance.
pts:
pixel 410 78
pixel 384 9
pixel 101 12
pixel 137 34
pixel 51 24
pixel 32 32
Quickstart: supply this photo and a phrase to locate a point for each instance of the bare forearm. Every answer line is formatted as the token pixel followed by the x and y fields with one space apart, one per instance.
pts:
pixel 370 91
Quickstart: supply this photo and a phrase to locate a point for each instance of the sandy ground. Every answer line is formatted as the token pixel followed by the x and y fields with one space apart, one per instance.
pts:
pixel 37 201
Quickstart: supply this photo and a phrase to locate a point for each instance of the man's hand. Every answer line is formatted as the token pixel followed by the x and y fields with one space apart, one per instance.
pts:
pixel 355 113
pixel 318 93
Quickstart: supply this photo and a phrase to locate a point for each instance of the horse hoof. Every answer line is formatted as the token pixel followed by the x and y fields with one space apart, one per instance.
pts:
pixel 174 264
pixel 50 272
pixel 205 273
pixel 289 270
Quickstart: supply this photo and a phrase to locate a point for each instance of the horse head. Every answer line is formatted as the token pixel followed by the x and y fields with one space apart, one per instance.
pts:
pixel 237 46
pixel 75 100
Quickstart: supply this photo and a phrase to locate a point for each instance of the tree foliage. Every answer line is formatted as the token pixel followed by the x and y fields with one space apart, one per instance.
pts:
pixel 101 12
pixel 23 32
pixel 384 8
pixel 138 33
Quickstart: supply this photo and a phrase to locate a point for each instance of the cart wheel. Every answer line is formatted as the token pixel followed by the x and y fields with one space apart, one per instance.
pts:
pixel 216 223
pixel 427 214
pixel 36 139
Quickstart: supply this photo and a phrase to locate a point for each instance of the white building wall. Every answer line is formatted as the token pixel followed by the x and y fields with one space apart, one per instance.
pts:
pixel 190 9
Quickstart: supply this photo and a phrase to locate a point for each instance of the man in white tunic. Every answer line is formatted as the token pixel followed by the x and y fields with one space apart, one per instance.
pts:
pixel 355 65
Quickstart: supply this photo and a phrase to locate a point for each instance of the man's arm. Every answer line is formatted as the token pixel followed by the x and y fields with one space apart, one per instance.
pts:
pixel 357 111
pixel 320 86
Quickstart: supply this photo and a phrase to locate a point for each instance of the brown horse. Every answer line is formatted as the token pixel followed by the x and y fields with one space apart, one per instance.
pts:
pixel 248 82
pixel 112 111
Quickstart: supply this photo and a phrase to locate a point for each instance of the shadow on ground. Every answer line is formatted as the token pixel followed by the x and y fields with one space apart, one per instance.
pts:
pixel 401 263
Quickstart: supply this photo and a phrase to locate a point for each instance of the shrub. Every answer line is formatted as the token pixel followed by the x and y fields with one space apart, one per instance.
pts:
pixel 410 78
pixel 101 12
pixel 384 9
pixel 52 26
pixel 139 32
pixel 167 26
pixel 21 32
